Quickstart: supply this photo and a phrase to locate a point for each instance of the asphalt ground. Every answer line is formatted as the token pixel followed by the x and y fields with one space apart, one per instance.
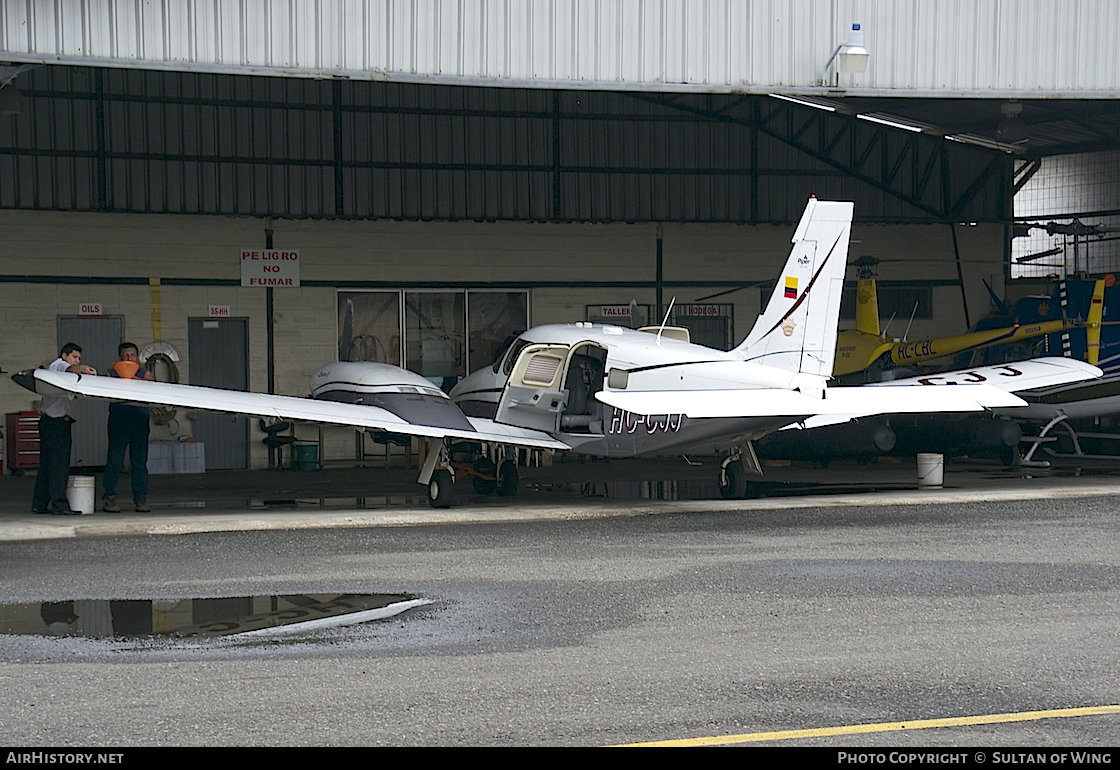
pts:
pixel 222 501
pixel 847 602
pixel 817 625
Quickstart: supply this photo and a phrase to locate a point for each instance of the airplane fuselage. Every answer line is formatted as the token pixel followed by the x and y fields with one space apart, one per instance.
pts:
pixel 632 435
pixel 628 359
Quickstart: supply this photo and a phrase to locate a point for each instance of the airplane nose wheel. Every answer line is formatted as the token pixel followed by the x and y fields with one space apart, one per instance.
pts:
pixel 441 489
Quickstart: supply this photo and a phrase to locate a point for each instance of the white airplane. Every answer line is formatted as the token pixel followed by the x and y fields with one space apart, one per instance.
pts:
pixel 616 392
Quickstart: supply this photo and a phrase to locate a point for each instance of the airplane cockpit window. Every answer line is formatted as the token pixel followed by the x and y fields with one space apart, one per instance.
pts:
pixel 503 352
pixel 511 357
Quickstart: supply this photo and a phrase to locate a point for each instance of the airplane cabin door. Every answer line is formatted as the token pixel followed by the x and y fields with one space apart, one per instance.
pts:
pixel 533 397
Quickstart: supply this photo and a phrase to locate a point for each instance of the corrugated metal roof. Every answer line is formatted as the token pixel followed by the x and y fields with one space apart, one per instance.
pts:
pixel 970 48
pixel 142 141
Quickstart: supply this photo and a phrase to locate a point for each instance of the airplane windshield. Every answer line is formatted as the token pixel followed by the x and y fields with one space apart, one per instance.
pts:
pixel 506 362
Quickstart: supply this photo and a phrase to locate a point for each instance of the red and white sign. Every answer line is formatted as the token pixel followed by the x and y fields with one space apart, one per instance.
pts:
pixel 268 267
pixel 219 311
pixel 89 308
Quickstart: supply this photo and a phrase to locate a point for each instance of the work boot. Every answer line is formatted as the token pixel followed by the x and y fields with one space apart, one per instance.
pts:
pixel 143 508
pixel 109 504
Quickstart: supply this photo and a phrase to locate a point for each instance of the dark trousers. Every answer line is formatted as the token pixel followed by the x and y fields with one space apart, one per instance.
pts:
pixel 54 463
pixel 128 429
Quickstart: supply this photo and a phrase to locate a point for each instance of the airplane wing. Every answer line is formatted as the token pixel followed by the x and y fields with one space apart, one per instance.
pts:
pixel 46 382
pixel 1014 378
pixel 961 391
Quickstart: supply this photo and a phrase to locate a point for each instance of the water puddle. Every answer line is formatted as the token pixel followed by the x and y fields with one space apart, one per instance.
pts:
pixel 242 616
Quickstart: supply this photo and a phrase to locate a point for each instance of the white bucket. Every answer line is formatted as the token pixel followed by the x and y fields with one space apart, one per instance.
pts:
pixel 80 493
pixel 931 470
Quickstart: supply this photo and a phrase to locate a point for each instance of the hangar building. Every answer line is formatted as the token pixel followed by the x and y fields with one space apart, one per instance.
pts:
pixel 257 187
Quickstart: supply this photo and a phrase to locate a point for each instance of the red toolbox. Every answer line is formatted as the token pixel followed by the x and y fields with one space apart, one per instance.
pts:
pixel 22 450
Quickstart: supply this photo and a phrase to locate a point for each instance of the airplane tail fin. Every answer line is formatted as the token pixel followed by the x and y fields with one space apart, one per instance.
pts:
pixel 797 330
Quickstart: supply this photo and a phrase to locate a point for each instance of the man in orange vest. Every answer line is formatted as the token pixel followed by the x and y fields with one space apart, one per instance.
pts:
pixel 128 430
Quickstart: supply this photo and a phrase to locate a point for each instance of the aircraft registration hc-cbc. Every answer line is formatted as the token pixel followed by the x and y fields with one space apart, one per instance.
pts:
pixel 608 391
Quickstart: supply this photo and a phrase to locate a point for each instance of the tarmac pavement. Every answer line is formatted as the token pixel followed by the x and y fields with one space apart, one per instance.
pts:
pixel 222 501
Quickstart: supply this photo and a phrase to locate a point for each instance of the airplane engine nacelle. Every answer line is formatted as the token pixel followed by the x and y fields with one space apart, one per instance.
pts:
pixel 828 442
pixel 950 435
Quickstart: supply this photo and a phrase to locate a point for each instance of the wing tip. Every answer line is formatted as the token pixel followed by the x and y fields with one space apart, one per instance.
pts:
pixel 26 379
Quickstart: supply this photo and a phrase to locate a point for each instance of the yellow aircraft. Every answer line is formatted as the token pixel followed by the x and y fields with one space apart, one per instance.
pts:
pixel 859 348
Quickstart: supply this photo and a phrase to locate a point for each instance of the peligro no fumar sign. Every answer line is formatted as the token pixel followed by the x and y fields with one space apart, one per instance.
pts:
pixel 268 267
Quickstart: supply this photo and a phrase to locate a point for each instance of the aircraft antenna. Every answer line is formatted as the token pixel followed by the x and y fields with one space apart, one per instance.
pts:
pixel 914 312
pixel 665 320
pixel 888 326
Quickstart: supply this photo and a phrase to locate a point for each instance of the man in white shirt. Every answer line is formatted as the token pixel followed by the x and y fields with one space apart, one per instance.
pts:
pixel 54 439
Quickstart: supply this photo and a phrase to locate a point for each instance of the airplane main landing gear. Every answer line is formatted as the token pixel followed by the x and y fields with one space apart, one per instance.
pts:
pixel 438 475
pixel 733 481
pixel 734 470
pixel 441 489
pixel 439 472
pixel 488 478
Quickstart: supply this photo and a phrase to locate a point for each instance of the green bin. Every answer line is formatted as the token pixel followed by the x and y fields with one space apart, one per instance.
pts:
pixel 306 457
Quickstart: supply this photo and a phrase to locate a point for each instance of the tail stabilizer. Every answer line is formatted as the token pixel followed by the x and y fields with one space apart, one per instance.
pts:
pixel 797 330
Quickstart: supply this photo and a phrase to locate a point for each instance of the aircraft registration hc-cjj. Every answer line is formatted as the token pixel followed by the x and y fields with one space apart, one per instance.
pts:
pixel 609 391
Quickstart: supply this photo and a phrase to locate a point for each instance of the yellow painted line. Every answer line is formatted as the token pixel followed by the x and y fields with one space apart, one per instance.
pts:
pixel 156 304
pixel 883 727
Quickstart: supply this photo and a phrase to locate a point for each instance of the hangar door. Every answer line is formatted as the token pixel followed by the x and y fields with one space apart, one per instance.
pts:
pixel 98 337
pixel 219 358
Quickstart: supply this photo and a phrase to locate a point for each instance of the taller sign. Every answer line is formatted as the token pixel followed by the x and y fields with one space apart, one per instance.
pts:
pixel 269 268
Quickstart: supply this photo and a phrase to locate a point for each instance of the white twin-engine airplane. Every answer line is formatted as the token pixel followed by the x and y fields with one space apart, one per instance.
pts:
pixel 615 392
